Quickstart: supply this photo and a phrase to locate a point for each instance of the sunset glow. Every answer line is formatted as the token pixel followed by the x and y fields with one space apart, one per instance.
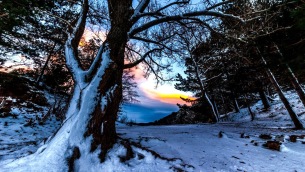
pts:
pixel 165 95
pixel 89 34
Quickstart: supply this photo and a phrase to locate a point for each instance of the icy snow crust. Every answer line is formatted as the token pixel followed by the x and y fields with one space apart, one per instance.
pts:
pixel 192 147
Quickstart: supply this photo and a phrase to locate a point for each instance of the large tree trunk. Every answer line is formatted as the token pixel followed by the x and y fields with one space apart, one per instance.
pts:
pixel 102 122
pixel 249 108
pixel 210 109
pixel 235 103
pixel 264 98
pixel 236 106
pixel 293 79
pixel 294 117
pixel 89 129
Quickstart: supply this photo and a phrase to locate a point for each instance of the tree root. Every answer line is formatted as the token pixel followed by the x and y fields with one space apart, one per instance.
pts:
pixel 130 154
pixel 70 160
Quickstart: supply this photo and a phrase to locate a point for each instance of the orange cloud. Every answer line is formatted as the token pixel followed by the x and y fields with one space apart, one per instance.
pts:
pixel 171 97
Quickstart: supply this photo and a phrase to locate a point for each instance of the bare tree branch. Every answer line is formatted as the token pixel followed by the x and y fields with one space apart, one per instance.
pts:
pixel 158 77
pixel 158 12
pixel 219 4
pixel 152 14
pixel 270 33
pixel 156 63
pixel 133 64
pixel 72 61
pixel 180 17
pixel 151 41
pixel 79 28
pixel 173 3
pixel 139 9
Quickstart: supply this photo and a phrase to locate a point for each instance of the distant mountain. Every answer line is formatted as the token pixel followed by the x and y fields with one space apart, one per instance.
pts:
pixel 185 115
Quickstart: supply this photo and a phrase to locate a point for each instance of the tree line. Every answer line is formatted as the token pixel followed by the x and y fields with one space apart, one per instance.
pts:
pixel 236 64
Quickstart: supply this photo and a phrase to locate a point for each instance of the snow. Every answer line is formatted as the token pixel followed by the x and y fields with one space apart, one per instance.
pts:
pixel 113 164
pixel 197 147
pixel 201 147
pixel 138 9
pixel 18 140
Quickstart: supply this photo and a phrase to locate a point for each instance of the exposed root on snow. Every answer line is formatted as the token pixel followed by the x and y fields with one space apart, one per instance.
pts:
pixel 70 160
pixel 130 153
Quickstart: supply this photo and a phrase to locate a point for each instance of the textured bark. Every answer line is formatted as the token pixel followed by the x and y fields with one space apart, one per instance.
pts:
pixel 102 123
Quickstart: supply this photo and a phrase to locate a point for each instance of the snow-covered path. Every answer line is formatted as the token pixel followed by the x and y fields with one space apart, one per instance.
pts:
pixel 200 146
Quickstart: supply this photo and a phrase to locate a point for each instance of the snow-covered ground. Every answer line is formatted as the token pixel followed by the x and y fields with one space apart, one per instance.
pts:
pixel 201 147
pixel 20 133
pixel 198 147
